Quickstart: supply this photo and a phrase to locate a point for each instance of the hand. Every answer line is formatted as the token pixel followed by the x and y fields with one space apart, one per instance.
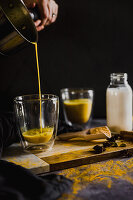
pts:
pixel 48 11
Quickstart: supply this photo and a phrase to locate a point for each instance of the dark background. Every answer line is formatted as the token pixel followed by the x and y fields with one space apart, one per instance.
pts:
pixel 90 40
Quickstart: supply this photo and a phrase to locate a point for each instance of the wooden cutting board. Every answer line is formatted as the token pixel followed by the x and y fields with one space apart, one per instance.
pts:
pixel 65 154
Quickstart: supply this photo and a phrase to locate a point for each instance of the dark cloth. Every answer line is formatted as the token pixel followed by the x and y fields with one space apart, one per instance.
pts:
pixel 18 183
pixel 8 130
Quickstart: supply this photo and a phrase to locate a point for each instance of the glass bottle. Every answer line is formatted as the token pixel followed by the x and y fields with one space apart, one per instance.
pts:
pixel 119 103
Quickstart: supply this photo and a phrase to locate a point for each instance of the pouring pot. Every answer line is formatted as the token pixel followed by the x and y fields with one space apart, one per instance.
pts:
pixel 17 28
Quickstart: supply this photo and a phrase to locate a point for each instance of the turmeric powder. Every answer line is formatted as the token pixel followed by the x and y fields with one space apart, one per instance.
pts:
pixel 98 173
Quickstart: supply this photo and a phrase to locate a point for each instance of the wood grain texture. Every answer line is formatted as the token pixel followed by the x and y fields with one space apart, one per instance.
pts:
pixel 65 154
pixel 16 155
pixel 85 156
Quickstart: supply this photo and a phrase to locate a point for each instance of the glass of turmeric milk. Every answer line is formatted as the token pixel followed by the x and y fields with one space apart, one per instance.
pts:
pixel 37 119
pixel 77 105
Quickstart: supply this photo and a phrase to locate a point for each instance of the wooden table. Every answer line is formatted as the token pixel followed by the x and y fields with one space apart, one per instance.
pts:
pixel 108 180
pixel 111 179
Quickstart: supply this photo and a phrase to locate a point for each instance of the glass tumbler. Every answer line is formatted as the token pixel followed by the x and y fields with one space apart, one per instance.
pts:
pixel 37 120
pixel 77 105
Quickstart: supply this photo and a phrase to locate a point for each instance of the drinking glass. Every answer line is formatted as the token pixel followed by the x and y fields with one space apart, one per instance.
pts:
pixel 77 105
pixel 37 120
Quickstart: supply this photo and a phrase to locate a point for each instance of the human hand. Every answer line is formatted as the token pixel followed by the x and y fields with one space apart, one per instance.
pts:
pixel 48 11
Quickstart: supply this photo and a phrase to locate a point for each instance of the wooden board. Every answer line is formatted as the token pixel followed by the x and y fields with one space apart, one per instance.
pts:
pixel 65 154
pixel 16 155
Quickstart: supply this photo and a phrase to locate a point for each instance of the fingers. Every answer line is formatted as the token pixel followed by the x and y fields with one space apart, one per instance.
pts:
pixel 50 4
pixel 44 11
pixel 48 11
pixel 38 26
pixel 37 22
pixel 55 12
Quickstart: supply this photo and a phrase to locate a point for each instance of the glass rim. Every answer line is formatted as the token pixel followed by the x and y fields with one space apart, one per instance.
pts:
pixel 35 97
pixel 77 90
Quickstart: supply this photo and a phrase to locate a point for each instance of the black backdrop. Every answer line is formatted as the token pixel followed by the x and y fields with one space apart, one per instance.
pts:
pixel 90 40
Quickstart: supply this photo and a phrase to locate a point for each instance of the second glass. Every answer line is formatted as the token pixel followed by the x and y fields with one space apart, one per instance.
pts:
pixel 77 105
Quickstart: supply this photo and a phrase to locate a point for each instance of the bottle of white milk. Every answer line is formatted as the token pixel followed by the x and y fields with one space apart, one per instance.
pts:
pixel 119 103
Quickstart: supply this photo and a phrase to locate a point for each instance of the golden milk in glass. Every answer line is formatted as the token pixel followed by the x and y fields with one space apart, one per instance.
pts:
pixel 77 105
pixel 78 110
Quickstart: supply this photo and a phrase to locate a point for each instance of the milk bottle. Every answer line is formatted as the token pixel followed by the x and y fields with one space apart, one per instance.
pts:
pixel 119 103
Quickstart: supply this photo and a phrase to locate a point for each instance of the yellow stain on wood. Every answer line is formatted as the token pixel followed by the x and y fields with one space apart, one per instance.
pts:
pixel 23 163
pixel 27 161
pixel 60 158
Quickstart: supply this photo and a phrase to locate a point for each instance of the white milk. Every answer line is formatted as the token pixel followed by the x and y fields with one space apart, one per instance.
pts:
pixel 119 108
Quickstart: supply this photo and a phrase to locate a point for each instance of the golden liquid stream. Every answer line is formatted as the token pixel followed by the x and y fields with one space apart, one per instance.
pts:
pixel 39 85
pixel 41 135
